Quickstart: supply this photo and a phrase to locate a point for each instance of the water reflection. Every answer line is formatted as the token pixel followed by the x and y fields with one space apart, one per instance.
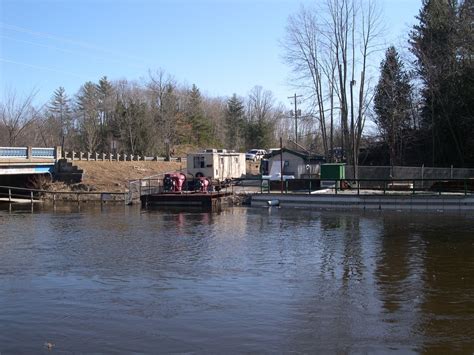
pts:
pixel 120 279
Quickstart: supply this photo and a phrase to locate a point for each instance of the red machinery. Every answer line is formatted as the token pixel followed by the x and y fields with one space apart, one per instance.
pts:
pixel 174 182
pixel 202 184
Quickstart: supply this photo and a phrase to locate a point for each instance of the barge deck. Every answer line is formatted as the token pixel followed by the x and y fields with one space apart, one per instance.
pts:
pixel 205 201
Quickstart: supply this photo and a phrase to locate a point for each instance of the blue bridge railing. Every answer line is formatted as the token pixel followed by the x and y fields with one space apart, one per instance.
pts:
pixel 13 152
pixel 28 153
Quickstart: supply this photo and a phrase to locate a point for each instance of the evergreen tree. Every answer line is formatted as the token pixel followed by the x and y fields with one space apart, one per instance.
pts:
pixel 444 63
pixel 201 127
pixel 60 113
pixel 88 116
pixel 392 104
pixel 234 116
pixel 105 108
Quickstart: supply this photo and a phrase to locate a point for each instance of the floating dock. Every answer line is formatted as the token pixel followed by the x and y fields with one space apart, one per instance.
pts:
pixel 446 202
pixel 204 201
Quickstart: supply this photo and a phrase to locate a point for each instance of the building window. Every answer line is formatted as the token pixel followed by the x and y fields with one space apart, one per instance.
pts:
pixel 199 162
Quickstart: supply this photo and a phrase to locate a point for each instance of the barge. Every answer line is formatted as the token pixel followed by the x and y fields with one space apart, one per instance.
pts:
pixel 205 201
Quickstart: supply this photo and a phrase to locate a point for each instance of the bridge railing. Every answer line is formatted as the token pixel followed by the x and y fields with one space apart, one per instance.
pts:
pixel 43 153
pixel 95 156
pixel 14 152
pixel 30 153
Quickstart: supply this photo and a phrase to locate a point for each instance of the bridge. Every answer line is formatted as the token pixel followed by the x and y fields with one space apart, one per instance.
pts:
pixel 28 160
pixel 24 166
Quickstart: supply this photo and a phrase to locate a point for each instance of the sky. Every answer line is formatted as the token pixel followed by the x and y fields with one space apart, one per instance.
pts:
pixel 222 46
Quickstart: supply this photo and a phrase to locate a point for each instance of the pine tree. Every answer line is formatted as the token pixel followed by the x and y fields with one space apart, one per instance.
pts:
pixel 201 127
pixel 437 43
pixel 61 115
pixel 234 115
pixel 392 104
pixel 88 116
pixel 105 108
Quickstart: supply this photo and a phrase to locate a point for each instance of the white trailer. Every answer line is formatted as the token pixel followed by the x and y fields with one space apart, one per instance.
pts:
pixel 217 164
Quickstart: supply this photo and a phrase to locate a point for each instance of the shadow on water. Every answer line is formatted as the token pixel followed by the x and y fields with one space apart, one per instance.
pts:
pixel 111 278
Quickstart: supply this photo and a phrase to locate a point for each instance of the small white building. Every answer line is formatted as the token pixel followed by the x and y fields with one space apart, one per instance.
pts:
pixel 218 164
pixel 298 165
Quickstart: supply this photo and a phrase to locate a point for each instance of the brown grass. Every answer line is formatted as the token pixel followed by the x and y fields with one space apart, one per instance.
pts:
pixel 114 176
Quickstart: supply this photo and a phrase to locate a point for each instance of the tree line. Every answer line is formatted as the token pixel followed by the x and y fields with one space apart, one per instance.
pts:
pixel 152 117
pixel 422 106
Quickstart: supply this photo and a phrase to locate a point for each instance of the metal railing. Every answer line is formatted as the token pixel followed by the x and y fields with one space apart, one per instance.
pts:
pixel 145 186
pixel 12 194
pixel 372 186
pixel 154 185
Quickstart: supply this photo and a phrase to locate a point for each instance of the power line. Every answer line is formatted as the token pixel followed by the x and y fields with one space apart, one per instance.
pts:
pixel 69 41
pixel 40 67
pixel 296 115
pixel 104 59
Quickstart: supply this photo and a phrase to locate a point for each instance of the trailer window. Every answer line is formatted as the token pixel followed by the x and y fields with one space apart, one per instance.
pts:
pixel 198 162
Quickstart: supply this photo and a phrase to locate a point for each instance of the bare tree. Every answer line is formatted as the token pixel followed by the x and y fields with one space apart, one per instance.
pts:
pixel 16 114
pixel 164 104
pixel 328 48
pixel 260 118
pixel 307 52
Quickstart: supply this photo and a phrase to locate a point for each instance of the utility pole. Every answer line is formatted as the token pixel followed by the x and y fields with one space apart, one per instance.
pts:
pixel 294 97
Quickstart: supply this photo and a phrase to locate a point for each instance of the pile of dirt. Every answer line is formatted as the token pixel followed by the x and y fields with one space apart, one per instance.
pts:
pixel 114 176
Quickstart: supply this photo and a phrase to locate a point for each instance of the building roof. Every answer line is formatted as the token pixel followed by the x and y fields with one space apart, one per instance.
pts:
pixel 307 158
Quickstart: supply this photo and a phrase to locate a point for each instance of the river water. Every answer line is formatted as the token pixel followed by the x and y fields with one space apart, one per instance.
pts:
pixel 119 279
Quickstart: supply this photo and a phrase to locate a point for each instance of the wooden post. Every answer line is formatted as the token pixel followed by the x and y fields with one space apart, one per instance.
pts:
pixel 10 195
pixel 31 197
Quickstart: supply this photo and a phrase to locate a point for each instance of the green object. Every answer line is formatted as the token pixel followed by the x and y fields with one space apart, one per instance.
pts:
pixel 335 171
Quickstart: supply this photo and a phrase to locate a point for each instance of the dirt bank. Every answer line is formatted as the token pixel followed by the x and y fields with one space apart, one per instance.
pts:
pixel 114 176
